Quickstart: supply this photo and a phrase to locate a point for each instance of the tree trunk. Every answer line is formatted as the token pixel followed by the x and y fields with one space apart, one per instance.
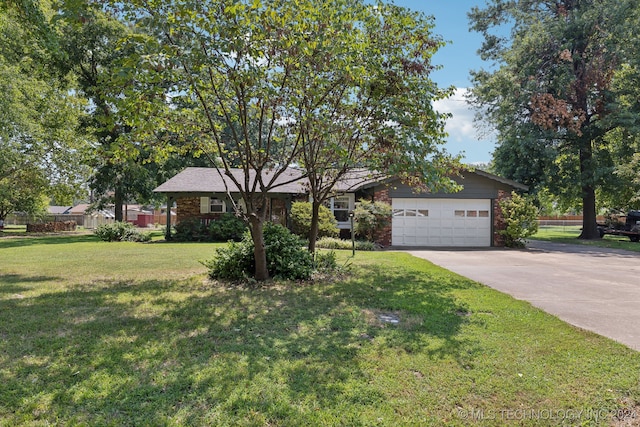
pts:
pixel 259 253
pixel 315 224
pixel 118 200
pixel 589 227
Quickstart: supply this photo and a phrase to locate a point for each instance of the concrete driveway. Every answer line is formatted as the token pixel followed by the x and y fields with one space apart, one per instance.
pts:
pixel 592 288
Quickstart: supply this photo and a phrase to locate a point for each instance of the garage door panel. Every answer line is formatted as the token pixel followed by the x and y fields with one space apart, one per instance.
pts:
pixel 441 222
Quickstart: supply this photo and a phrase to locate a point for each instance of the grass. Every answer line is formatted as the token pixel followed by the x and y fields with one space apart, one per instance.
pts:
pixel 95 333
pixel 569 234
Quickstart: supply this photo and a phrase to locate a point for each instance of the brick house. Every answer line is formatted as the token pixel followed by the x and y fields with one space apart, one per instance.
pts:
pixel 470 217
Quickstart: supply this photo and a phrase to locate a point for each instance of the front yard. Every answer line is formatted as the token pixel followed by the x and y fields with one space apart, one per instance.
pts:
pixel 569 234
pixel 133 334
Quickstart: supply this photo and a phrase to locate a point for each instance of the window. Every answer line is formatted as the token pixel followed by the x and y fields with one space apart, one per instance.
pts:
pixel 459 213
pixel 341 208
pixel 483 214
pixel 216 205
pixel 212 205
pixel 472 214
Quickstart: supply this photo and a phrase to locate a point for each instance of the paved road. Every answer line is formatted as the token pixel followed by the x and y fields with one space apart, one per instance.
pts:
pixel 592 288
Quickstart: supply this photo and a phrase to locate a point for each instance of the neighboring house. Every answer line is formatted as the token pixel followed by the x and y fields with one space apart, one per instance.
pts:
pixel 59 210
pixel 470 217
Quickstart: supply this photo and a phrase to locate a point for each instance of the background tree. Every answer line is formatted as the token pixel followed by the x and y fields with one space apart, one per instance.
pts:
pixel 89 50
pixel 259 83
pixel 551 97
pixel 624 138
pixel 42 152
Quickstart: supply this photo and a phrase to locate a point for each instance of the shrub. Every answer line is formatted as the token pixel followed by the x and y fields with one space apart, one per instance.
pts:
pixel 121 231
pixel 521 220
pixel 332 243
pixel 371 218
pixel 301 220
pixel 233 262
pixel 139 237
pixel 286 257
pixel 191 230
pixel 326 261
pixel 227 227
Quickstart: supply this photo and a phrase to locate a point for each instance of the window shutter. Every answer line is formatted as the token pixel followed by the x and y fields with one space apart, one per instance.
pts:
pixel 204 205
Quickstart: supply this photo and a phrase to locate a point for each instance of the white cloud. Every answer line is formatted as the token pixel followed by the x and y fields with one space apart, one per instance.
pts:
pixel 463 135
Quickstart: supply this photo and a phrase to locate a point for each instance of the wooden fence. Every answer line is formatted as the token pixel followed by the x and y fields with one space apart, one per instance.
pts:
pixel 86 221
pixel 564 220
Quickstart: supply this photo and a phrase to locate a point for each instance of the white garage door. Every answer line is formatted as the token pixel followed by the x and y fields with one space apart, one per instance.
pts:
pixel 441 222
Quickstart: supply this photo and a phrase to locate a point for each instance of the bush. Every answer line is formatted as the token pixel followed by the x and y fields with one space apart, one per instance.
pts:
pixel 121 231
pixel 286 257
pixel 234 262
pixel 326 261
pixel 332 243
pixel 521 220
pixel 301 220
pixel 371 218
pixel 227 227
pixel 191 230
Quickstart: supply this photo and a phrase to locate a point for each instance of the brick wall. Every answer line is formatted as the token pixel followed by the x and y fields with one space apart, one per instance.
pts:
pixel 384 238
pixel 187 207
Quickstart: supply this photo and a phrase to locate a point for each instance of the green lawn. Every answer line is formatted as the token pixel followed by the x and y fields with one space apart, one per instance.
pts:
pixel 569 234
pixel 97 333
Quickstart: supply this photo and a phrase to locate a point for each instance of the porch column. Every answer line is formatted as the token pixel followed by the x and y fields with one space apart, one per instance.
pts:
pixel 287 208
pixel 167 234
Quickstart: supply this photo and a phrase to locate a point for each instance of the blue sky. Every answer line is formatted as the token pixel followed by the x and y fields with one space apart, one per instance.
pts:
pixel 457 58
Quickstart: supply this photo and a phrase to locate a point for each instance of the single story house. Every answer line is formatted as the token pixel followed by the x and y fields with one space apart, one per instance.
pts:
pixel 470 217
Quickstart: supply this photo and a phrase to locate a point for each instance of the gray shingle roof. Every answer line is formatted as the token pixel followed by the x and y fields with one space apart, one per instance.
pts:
pixel 212 180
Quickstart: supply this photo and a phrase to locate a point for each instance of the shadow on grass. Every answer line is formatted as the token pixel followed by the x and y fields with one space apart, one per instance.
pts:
pixel 11 283
pixel 189 352
pixel 26 240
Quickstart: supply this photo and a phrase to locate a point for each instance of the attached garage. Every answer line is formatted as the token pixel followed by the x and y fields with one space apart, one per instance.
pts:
pixel 468 218
pixel 441 222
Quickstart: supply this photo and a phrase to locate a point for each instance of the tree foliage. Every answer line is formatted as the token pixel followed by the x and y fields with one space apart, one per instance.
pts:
pixel 42 152
pixel 261 85
pixel 552 97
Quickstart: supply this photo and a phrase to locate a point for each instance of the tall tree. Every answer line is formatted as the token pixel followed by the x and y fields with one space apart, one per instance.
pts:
pixel 552 90
pixel 260 82
pixel 88 40
pixel 42 150
pixel 624 139
pixel 375 113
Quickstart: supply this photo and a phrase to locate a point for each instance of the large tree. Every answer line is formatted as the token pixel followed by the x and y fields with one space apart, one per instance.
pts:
pixel 550 95
pixel 42 152
pixel 256 83
pixel 374 113
pixel 88 48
